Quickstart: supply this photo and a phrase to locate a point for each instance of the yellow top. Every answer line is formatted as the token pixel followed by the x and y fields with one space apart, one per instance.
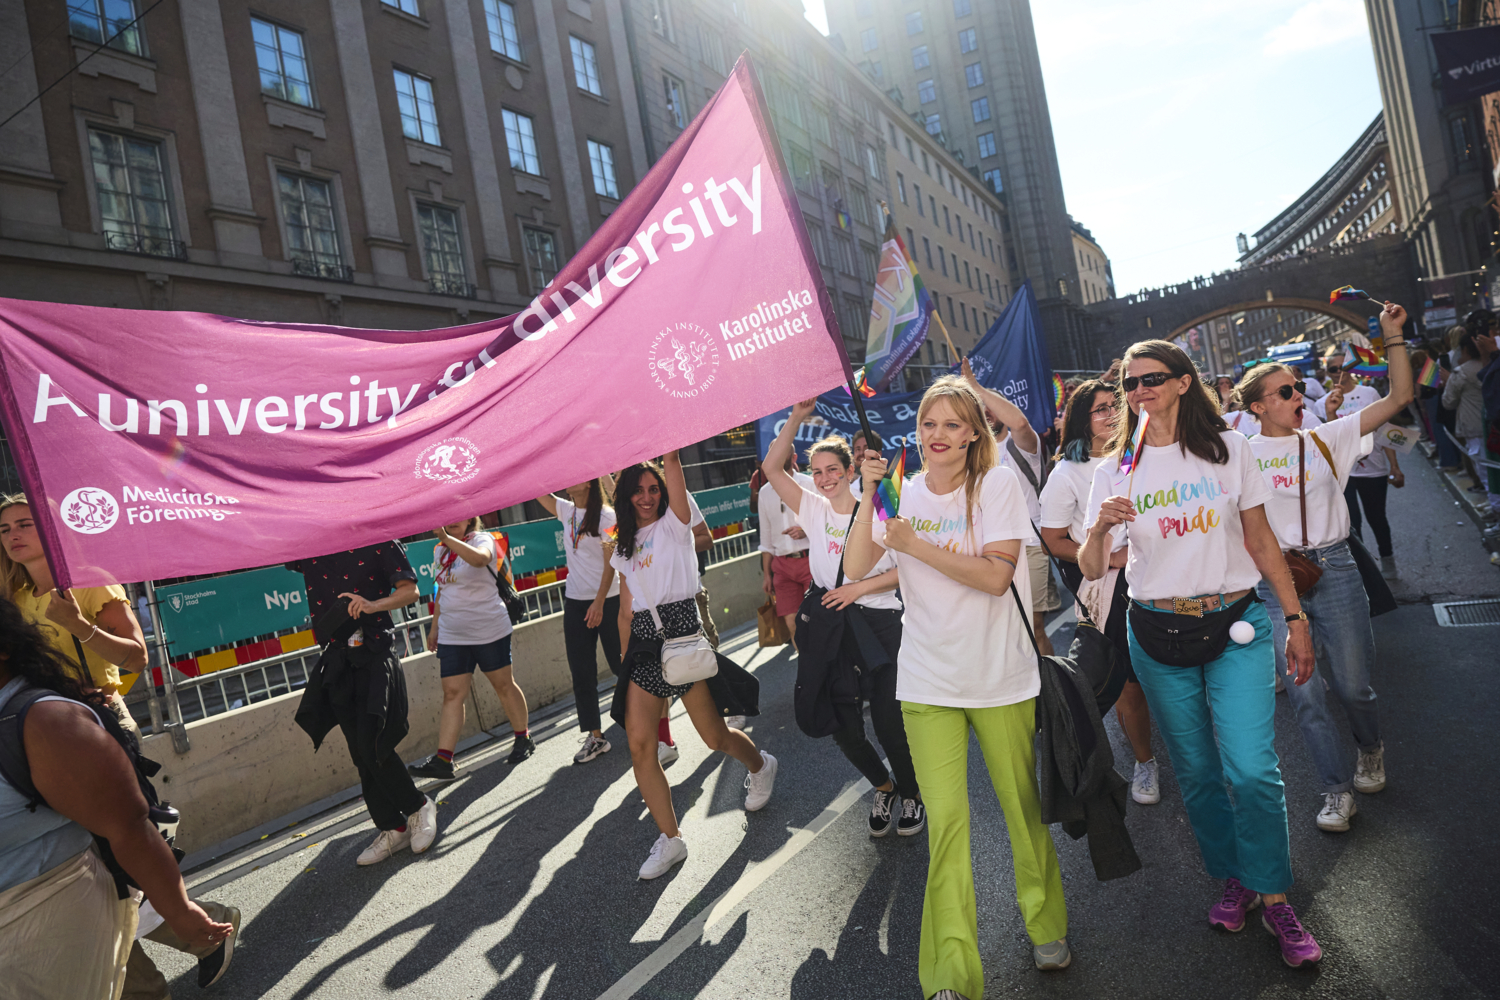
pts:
pixel 91 601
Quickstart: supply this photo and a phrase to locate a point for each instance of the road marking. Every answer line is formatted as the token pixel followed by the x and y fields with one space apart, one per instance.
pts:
pixel 1068 617
pixel 711 914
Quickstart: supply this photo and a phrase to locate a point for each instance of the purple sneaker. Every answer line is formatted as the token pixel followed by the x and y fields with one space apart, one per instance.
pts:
pixel 1229 912
pixel 1297 946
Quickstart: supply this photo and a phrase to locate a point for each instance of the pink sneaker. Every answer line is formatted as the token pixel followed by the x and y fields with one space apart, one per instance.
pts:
pixel 1297 946
pixel 1229 912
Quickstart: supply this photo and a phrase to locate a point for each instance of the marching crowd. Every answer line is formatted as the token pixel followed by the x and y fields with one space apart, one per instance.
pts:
pixel 1209 530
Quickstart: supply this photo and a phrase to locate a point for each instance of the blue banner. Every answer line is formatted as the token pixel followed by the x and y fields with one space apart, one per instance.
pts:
pixel 892 415
pixel 1011 358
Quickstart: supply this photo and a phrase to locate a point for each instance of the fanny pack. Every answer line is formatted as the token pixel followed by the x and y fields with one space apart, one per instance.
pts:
pixel 686 659
pixel 1186 640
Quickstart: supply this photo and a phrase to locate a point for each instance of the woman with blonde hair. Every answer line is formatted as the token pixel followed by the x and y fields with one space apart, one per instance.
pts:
pixel 84 624
pixel 965 663
pixel 470 628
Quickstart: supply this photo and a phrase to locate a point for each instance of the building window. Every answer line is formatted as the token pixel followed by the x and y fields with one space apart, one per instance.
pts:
pixel 967 40
pixel 500 18
pixel 927 249
pixel 418 110
pixel 869 41
pixel 676 102
pixel 845 253
pixel 934 126
pixel 132 190
pixel 920 210
pixel 947 219
pixel 602 163
pixel 520 139
pixel 987 145
pixel 585 66
pixel 872 162
pixel 962 8
pixel 820 125
pixel 992 178
pixel 815 236
pixel 981 108
pixel 282 62
pixel 104 22
pixel 871 261
pixel 859 203
pixel 968 280
pixel 712 47
pixel 1463 138
pixel 919 58
pixel 404 6
pixel 661 19
pixel 914 23
pixel 312 234
pixel 901 187
pixel 926 91
pixel 541 257
pixel 800 164
pixel 442 251
pixel 943 260
pixel 974 74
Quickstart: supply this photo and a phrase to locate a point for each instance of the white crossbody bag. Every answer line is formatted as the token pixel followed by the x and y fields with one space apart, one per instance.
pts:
pixel 687 659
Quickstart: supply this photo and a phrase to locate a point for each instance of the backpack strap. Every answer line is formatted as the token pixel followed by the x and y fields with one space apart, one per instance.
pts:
pixel 840 581
pixel 1024 464
pixel 14 767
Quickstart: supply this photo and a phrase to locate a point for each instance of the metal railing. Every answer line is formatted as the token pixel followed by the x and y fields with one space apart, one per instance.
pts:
pixel 457 287
pixel 150 246
pixel 190 699
pixel 310 267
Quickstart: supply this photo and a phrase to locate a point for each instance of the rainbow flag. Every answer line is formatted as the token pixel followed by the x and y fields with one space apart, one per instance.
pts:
pixel 1429 374
pixel 900 313
pixel 860 384
pixel 1346 292
pixel 1363 361
pixel 1132 450
pixel 888 493
pixel 1059 391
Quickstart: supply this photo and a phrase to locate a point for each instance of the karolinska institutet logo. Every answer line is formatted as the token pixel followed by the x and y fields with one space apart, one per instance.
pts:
pixel 453 460
pixel 90 510
pixel 684 360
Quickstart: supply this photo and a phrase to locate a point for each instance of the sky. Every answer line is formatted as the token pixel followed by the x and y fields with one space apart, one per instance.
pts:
pixel 1180 123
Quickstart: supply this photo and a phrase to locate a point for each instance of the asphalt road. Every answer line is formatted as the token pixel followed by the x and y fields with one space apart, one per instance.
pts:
pixel 530 890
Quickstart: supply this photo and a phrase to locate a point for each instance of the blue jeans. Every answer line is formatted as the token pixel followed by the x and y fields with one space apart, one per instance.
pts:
pixel 1218 721
pixel 1344 650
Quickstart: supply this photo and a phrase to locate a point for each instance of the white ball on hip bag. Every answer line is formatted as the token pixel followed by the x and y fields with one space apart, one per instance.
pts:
pixel 1242 632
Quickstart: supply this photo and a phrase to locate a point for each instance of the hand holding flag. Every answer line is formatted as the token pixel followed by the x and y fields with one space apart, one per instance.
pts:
pixel 1132 456
pixel 888 492
pixel 1347 292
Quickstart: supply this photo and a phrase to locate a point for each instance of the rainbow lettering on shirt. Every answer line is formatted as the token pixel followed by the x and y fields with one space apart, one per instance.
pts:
pixel 1205 518
pixel 956 527
pixel 1181 494
pixel 642 557
pixel 1290 480
pixel 834 538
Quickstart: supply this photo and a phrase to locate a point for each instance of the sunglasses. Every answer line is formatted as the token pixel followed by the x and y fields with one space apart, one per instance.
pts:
pixel 1285 391
pixel 1333 369
pixel 1150 380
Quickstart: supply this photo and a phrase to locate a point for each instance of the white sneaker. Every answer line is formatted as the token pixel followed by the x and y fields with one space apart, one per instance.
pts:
pixel 666 852
pixel 386 843
pixel 1337 808
pixel 665 752
pixel 735 722
pixel 422 825
pixel 593 746
pixel 1143 787
pixel 760 783
pixel 1369 773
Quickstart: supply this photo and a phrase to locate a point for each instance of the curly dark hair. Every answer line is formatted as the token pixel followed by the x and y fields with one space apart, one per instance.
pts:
pixel 625 488
pixel 26 653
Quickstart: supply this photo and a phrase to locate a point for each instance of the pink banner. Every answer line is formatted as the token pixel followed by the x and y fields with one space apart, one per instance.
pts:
pixel 173 444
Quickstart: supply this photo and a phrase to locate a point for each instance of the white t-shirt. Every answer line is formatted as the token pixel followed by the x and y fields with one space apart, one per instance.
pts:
pixel 1327 514
pixel 961 647
pixel 1374 464
pixel 1033 502
pixel 470 612
pixel 1187 538
pixel 663 568
pixel 585 552
pixel 826 530
pixel 776 517
pixel 1065 499
pixel 1242 421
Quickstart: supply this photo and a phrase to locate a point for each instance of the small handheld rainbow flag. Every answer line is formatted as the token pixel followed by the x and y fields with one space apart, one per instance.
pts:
pixel 1131 458
pixel 1363 361
pixel 1059 391
pixel 1429 374
pixel 1347 292
pixel 865 389
pixel 888 493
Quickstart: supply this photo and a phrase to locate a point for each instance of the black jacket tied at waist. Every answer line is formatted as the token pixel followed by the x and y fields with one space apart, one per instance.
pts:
pixel 372 683
pixel 1079 785
pixel 834 647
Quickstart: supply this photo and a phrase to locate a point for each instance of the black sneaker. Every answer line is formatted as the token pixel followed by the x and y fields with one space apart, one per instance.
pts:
pixel 211 967
pixel 524 747
pixel 913 818
pixel 880 813
pixel 432 767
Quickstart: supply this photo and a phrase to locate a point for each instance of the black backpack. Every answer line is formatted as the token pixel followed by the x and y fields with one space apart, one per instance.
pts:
pixel 16 770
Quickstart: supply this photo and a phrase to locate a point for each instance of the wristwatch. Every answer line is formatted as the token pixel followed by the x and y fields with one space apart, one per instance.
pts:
pixel 1300 616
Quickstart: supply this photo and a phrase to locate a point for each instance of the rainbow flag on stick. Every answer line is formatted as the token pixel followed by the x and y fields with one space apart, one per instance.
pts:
pixel 1347 292
pixel 1363 361
pixel 1059 391
pixel 864 387
pixel 1131 458
pixel 888 493
pixel 1429 374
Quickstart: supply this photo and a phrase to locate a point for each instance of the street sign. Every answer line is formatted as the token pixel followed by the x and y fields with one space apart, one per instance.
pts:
pixel 724 505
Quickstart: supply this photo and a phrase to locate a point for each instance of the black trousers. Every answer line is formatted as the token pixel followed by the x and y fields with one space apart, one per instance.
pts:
pixel 1370 491
pixel 879 690
pixel 390 794
pixel 581 643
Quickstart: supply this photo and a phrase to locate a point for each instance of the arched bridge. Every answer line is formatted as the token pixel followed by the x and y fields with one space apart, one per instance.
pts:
pixel 1381 266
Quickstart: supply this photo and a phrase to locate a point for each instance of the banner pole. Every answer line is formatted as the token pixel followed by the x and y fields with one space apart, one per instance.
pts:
pixel 937 314
pixel 859 406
